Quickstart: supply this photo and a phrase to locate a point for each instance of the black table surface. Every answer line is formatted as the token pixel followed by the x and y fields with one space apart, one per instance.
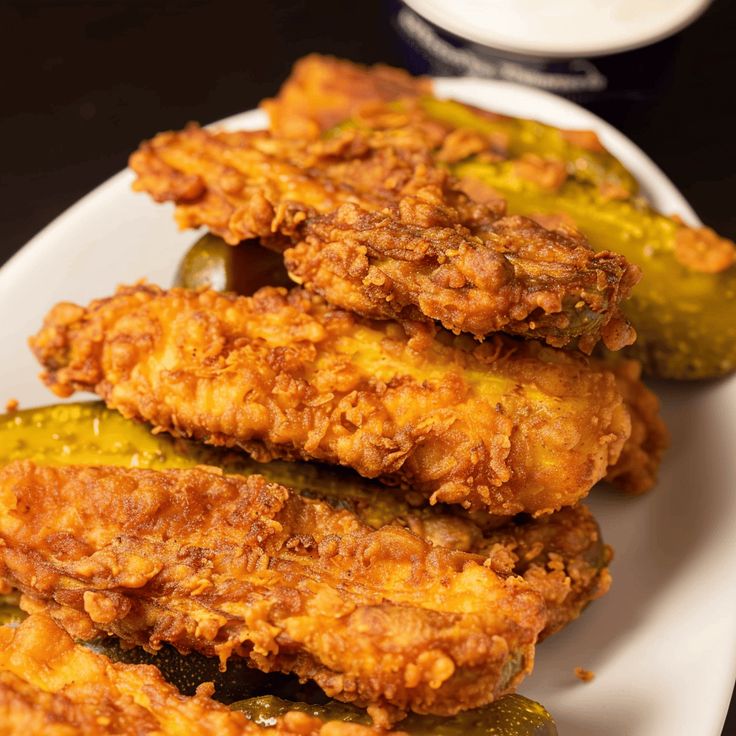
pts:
pixel 82 83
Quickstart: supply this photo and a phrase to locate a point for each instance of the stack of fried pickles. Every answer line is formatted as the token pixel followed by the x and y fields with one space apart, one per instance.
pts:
pixel 364 486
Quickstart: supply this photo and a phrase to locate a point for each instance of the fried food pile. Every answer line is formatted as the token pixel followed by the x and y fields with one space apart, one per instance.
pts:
pixel 370 481
pixel 376 227
pixel 231 566
pixel 561 555
pixel 684 308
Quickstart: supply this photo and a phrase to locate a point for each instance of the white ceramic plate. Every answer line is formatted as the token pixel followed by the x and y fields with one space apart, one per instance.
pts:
pixel 663 642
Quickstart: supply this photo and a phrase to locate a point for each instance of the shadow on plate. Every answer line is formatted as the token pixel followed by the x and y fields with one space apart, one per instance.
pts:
pixel 613 721
pixel 657 537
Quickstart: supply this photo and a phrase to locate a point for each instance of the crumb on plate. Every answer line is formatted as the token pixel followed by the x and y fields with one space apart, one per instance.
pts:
pixel 584 675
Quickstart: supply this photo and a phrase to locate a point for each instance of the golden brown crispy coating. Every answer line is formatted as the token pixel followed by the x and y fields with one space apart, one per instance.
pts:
pixel 50 686
pixel 506 426
pixel 561 555
pixel 323 91
pixel 377 227
pixel 227 565
pixel 637 468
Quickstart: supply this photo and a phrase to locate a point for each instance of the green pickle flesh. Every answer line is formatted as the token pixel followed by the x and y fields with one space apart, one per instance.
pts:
pixel 512 715
pixel 685 320
pixel 187 672
pixel 88 433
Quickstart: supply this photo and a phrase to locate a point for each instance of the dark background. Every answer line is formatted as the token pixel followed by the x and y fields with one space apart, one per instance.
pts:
pixel 82 83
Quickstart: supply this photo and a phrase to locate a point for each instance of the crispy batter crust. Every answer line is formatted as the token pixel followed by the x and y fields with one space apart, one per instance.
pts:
pixel 562 555
pixel 506 426
pixel 226 565
pixel 638 466
pixel 377 227
pixel 569 569
pixel 50 686
pixel 322 91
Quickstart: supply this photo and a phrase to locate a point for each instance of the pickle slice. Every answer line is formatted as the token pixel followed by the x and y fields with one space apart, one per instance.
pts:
pixel 88 433
pixel 685 319
pixel 511 715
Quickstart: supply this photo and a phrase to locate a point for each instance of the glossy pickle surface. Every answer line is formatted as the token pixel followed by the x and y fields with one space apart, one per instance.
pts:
pixel 212 262
pixel 580 151
pixel 512 715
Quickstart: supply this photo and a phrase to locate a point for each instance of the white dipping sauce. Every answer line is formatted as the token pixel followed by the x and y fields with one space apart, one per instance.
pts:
pixel 561 28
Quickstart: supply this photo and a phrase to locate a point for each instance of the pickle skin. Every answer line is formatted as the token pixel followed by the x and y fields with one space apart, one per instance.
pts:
pixel 244 270
pixel 10 611
pixel 685 319
pixel 511 715
pixel 186 673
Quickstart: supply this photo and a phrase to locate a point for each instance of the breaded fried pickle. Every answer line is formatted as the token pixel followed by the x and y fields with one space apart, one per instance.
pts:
pixel 322 91
pixel 562 555
pixel 638 465
pixel 368 220
pixel 232 566
pixel 50 686
pixel 505 426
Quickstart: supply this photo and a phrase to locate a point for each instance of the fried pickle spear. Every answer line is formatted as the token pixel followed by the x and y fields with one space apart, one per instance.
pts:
pixel 232 566
pixel 506 426
pixel 561 555
pixel 50 686
pixel 368 220
pixel 323 92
